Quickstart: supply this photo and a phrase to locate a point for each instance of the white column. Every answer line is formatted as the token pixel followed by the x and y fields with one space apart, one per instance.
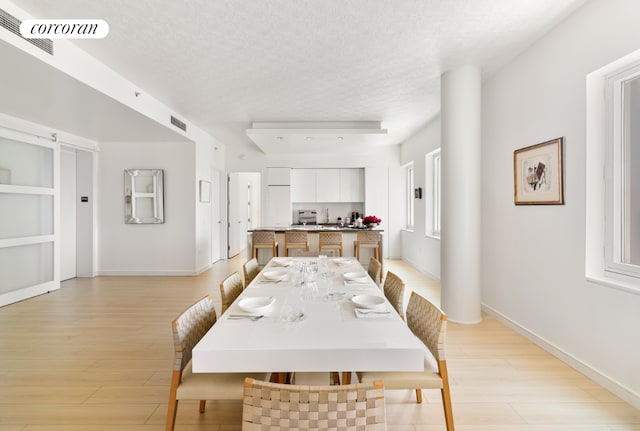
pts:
pixel 460 211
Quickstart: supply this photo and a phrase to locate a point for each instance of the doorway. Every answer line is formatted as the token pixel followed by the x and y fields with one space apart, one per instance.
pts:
pixel 244 208
pixel 77 209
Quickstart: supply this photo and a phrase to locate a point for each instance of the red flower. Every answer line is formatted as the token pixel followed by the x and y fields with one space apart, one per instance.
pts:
pixel 371 219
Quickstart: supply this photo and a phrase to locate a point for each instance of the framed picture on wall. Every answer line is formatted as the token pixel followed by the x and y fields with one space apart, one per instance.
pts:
pixel 205 191
pixel 539 174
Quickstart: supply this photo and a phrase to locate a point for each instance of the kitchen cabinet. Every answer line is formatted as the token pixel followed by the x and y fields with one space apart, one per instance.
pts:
pixel 327 185
pixel 303 185
pixel 351 185
pixel 278 206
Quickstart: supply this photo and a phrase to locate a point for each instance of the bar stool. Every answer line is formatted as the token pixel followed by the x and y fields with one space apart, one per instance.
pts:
pixel 295 239
pixel 368 239
pixel 264 239
pixel 330 240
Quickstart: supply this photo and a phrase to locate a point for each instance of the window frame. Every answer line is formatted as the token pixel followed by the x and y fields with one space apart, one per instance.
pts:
pixel 605 176
pixel 616 171
pixel 433 193
pixel 410 207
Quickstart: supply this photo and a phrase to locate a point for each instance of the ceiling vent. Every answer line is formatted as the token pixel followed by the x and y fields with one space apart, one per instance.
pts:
pixel 12 24
pixel 179 124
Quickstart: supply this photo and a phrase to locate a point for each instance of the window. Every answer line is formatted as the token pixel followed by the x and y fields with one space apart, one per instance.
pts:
pixel 623 174
pixel 613 147
pixel 409 196
pixel 433 193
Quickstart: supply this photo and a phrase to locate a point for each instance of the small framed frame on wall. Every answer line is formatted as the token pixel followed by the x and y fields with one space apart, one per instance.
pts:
pixel 205 191
pixel 538 173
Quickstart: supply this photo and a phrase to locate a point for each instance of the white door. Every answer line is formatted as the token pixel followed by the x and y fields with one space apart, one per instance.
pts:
pixel 234 217
pixel 67 214
pixel 216 216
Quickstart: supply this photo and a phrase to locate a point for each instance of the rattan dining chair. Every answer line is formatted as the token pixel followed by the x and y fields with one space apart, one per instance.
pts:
pixel 296 239
pixel 273 406
pixel 230 288
pixel 393 289
pixel 250 270
pixel 429 324
pixel 330 241
pixel 264 239
pixel 368 239
pixel 374 269
pixel 188 329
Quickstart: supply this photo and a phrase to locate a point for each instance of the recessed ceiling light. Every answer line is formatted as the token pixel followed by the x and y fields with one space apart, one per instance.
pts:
pixel 280 138
pixel 309 138
pixel 340 138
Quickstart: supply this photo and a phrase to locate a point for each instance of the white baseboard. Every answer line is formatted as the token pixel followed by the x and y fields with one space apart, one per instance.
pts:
pixel 422 269
pixel 203 268
pixel 146 273
pixel 608 383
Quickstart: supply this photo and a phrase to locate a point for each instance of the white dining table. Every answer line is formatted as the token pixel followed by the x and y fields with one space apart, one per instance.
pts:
pixel 310 329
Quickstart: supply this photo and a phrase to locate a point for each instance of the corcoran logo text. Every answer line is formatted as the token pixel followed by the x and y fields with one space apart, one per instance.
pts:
pixel 64 28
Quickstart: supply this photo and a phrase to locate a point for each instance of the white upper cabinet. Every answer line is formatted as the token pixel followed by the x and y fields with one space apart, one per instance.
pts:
pixel 327 185
pixel 278 176
pixel 351 185
pixel 303 185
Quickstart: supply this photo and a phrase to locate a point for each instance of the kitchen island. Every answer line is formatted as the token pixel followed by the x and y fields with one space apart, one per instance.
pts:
pixel 349 235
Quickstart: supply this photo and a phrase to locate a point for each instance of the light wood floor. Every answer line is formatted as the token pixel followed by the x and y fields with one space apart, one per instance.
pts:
pixel 96 355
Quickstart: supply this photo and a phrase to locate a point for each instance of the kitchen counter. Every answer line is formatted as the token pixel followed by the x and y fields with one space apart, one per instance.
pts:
pixel 349 235
pixel 316 228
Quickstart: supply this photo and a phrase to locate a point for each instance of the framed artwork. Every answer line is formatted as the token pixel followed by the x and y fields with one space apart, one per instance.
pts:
pixel 539 174
pixel 205 191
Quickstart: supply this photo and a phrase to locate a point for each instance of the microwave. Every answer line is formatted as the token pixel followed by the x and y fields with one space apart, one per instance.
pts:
pixel 307 217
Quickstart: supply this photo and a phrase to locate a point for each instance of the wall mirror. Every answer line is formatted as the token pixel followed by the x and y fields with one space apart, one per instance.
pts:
pixel 143 196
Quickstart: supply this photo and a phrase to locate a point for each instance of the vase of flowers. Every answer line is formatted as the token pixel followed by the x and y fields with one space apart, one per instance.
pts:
pixel 371 221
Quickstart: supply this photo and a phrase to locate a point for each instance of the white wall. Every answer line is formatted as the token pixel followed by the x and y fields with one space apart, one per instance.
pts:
pixel 148 249
pixel 533 257
pixel 419 250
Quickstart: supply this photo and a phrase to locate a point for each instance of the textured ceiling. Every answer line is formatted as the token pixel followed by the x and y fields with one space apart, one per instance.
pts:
pixel 227 63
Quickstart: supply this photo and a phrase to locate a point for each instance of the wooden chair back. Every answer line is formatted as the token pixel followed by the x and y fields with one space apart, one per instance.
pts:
pixel 230 288
pixel 394 291
pixel 251 270
pixel 276 406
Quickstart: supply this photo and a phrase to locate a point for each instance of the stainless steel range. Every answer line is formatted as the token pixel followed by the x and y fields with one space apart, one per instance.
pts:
pixel 307 217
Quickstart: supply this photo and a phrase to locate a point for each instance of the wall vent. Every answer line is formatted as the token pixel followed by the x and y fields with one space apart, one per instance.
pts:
pixel 179 124
pixel 12 24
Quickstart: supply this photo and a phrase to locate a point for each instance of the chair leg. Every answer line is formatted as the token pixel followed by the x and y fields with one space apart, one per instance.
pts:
pixel 173 402
pixel 446 396
pixel 419 396
pixel 346 377
pixel 203 403
pixel 279 378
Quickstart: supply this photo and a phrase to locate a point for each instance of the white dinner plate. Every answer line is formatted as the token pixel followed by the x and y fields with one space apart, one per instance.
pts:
pixel 256 305
pixel 368 301
pixel 274 274
pixel 356 276
pixel 282 261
